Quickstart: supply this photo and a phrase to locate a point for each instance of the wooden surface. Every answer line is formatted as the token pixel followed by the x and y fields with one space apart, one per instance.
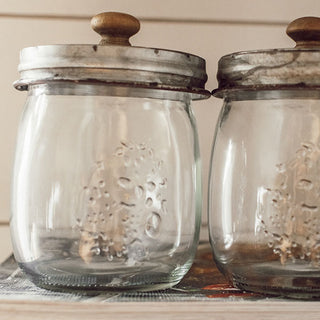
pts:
pixel 161 310
pixel 221 303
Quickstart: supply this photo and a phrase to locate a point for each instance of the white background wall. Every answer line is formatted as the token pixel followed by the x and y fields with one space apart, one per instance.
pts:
pixel 209 28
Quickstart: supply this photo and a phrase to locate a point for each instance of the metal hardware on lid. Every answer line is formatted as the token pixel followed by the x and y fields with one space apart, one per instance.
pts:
pixel 114 61
pixel 274 69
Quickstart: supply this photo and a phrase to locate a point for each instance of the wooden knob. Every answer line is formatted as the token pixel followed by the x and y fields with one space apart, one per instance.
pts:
pixel 115 28
pixel 305 32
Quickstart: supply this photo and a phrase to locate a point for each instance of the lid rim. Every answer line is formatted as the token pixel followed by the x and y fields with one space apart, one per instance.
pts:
pixel 97 47
pixel 273 51
pixel 120 64
pixel 269 68
pixel 196 93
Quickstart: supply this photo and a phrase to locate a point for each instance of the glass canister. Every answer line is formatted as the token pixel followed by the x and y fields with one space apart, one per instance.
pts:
pixel 264 207
pixel 106 187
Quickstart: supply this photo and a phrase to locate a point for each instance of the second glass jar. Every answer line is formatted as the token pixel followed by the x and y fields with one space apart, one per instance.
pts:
pixel 264 183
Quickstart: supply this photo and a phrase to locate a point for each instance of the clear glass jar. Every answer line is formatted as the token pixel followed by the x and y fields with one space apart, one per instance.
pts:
pixel 264 183
pixel 264 192
pixel 106 189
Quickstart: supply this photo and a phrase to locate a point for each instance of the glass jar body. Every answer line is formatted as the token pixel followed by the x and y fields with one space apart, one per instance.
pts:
pixel 264 192
pixel 106 188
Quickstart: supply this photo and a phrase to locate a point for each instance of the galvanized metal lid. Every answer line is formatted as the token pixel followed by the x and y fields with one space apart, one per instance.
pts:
pixel 114 61
pixel 294 68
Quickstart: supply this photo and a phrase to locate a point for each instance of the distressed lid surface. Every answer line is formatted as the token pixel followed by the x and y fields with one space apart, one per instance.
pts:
pixel 297 67
pixel 114 61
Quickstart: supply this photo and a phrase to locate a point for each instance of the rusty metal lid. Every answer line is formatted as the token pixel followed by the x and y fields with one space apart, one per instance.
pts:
pixel 114 61
pixel 293 68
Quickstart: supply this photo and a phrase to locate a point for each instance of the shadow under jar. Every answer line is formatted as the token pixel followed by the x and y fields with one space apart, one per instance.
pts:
pixel 106 187
pixel 264 192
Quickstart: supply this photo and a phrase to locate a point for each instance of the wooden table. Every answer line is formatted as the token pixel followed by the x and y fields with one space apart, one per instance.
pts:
pixel 205 295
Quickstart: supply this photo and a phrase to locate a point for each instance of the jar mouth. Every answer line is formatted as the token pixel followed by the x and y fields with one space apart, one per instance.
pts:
pixel 123 89
pixel 69 88
pixel 271 93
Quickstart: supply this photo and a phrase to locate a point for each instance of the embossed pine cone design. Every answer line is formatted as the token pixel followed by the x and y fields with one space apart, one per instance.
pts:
pixel 291 208
pixel 126 201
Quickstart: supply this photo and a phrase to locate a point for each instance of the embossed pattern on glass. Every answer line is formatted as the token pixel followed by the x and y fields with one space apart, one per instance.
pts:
pixel 264 192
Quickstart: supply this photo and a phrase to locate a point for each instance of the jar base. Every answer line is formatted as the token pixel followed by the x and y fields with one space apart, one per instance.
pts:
pixel 147 278
pixel 291 293
pixel 277 280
